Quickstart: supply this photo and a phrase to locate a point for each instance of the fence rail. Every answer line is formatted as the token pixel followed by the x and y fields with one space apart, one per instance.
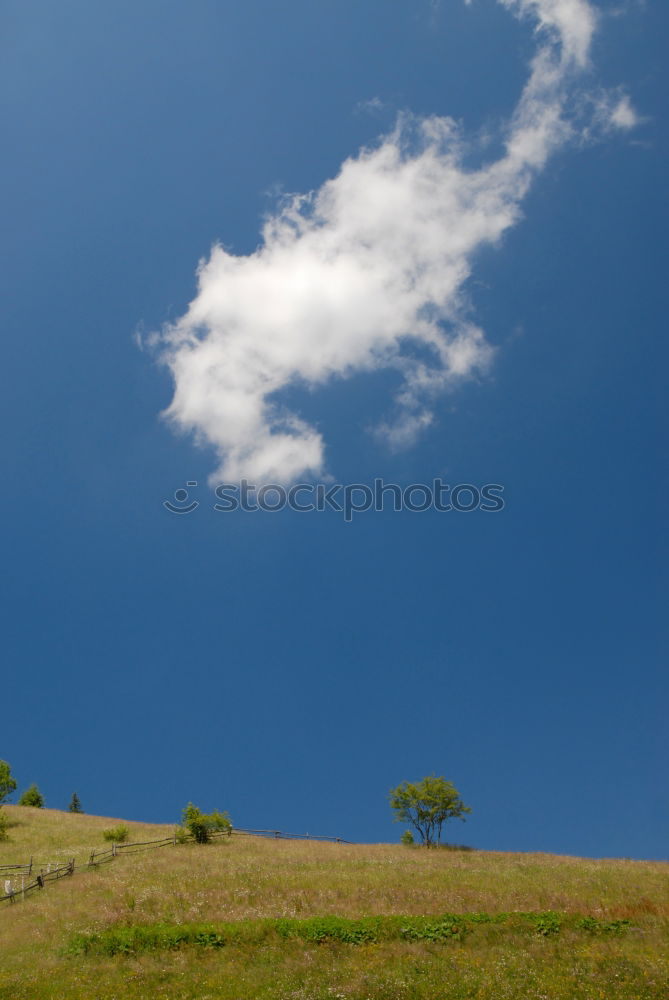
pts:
pixel 98 857
pixel 147 845
pixel 280 835
pixel 19 869
pixel 51 873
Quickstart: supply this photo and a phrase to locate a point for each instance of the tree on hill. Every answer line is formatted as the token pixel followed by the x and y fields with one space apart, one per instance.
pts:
pixel 427 804
pixel 75 804
pixel 7 783
pixel 201 825
pixel 32 797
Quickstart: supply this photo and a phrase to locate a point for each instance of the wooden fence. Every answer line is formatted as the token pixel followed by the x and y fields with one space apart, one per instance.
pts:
pixel 280 835
pixel 99 857
pixel 46 875
pixel 14 892
pixel 18 869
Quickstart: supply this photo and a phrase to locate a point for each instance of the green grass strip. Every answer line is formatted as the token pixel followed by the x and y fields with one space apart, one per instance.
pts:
pixel 139 938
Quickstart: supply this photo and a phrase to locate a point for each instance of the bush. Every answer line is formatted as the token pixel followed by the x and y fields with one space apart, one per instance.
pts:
pixel 407 838
pixel 118 834
pixel 4 825
pixel 201 825
pixel 32 797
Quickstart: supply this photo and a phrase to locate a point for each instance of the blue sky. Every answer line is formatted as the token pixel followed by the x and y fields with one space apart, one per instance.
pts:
pixel 290 667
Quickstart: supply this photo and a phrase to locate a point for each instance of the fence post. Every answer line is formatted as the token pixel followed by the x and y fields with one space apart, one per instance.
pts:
pixel 114 849
pixel 174 838
pixel 23 887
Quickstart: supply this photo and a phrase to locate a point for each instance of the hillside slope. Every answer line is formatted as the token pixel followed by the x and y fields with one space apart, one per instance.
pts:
pixel 248 881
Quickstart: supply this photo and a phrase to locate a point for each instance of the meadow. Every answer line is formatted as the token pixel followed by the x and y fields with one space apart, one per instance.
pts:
pixel 245 918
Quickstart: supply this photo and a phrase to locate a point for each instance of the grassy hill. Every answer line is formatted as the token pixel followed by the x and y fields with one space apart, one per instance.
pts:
pixel 242 919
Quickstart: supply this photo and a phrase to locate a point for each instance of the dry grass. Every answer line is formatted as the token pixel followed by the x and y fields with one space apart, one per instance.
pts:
pixel 52 835
pixel 250 878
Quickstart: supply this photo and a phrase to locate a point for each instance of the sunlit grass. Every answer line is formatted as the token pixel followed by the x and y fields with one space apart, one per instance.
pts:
pixel 249 879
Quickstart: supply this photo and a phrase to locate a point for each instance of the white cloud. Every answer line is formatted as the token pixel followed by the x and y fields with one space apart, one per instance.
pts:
pixel 372 106
pixel 574 20
pixel 623 114
pixel 365 273
pixel 606 112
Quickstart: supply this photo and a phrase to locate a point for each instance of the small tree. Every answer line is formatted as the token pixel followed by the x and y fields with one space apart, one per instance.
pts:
pixel 201 825
pixel 427 804
pixel 4 824
pixel 75 804
pixel 32 797
pixel 7 783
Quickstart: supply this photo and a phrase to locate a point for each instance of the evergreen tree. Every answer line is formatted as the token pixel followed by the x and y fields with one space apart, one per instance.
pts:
pixel 75 804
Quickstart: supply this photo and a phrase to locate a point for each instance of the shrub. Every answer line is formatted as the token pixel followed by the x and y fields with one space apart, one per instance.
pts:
pixel 201 825
pixel 118 834
pixel 4 824
pixel 407 838
pixel 32 797
pixel 194 821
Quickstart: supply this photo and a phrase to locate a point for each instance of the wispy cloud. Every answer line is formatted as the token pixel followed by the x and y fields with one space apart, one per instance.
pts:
pixel 368 273
pixel 573 20
pixel 622 114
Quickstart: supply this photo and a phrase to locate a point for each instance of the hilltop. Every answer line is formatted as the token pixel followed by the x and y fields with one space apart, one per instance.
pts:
pixel 494 944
